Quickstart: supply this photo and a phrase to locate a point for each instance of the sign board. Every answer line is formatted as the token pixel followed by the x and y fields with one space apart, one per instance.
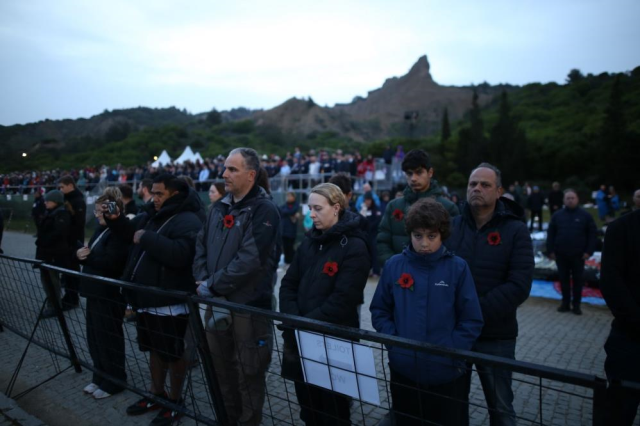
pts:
pixel 340 365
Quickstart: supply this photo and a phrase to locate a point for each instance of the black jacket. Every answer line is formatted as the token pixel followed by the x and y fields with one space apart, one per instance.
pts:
pixel 535 201
pixel 572 232
pixel 502 271
pixel 620 272
pixel 38 210
pixel 239 261
pixel 78 216
pixel 107 259
pixel 306 290
pixel 52 244
pixel 164 255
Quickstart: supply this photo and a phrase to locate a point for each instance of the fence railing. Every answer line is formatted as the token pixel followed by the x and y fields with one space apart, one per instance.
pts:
pixel 84 334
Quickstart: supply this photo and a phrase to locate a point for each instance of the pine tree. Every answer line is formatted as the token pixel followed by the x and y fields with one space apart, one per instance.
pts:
pixel 445 134
pixel 472 143
pixel 508 144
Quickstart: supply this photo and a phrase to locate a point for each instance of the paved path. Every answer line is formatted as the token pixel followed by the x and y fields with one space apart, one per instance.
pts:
pixel 546 337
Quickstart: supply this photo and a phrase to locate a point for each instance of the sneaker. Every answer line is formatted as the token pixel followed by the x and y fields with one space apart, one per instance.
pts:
pixel 100 394
pixel 144 405
pixel 166 417
pixel 577 311
pixel 90 388
pixel 563 308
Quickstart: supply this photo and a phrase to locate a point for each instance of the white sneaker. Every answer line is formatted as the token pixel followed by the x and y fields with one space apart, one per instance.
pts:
pixel 91 388
pixel 100 394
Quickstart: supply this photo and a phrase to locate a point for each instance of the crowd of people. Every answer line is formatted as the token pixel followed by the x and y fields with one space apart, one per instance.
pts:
pixel 451 273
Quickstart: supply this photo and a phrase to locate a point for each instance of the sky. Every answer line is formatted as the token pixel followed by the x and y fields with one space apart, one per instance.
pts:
pixel 74 59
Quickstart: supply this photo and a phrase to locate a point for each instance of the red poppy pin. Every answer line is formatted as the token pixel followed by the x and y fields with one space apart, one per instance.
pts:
pixel 397 214
pixel 405 281
pixel 494 238
pixel 330 268
pixel 228 221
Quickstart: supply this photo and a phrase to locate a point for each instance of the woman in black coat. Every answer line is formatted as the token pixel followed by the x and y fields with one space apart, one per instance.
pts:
pixel 325 282
pixel 104 256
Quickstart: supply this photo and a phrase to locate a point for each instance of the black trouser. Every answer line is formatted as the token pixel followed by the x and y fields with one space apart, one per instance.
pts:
pixel 105 338
pixel 71 285
pixel 322 407
pixel 570 267
pixel 623 353
pixel 287 248
pixel 416 404
pixel 534 214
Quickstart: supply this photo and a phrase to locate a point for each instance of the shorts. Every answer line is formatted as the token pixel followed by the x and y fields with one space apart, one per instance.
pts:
pixel 162 334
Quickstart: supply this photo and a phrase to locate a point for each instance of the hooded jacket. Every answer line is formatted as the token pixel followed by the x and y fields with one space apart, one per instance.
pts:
pixel 164 256
pixel 237 257
pixel 501 266
pixel 442 308
pixel 78 216
pixel 52 244
pixel 392 235
pixel 307 290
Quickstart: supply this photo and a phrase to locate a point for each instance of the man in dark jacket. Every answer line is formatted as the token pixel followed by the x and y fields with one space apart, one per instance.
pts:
pixel 162 246
pixel 78 208
pixel 392 236
pixel 621 290
pixel 38 209
pixel 555 198
pixel 52 245
pixel 236 258
pixel 492 236
pixel 571 239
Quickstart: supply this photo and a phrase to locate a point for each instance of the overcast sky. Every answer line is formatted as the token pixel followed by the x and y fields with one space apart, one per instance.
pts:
pixel 72 58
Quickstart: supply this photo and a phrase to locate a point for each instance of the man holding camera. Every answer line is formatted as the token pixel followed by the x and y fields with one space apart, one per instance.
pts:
pixel 161 254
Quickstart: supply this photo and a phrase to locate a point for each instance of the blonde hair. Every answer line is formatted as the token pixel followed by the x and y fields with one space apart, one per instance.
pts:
pixel 332 193
pixel 111 193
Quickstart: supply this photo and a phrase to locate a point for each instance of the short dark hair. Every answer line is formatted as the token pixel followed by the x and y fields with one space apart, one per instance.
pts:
pixel 250 156
pixel 67 180
pixel 495 170
pixel 415 159
pixel 427 213
pixel 172 183
pixel 126 190
pixel 342 181
pixel 146 183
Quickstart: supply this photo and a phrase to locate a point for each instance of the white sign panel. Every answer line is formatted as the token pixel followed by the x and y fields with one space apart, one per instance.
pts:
pixel 340 365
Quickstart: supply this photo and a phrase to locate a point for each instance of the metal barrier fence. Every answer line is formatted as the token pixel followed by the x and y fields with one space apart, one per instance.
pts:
pixel 349 360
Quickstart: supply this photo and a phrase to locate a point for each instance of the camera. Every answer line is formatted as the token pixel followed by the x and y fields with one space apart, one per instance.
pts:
pixel 111 207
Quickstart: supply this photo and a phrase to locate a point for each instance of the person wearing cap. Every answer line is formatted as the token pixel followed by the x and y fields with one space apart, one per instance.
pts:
pixel 52 245
pixel 392 236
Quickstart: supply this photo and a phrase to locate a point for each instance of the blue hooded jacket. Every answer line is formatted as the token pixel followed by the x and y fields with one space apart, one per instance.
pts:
pixel 442 309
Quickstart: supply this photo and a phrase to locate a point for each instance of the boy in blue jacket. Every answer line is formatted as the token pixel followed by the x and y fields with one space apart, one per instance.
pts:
pixel 426 293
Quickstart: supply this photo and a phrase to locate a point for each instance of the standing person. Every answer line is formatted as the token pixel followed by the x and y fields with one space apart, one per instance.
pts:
pixel 289 216
pixel 427 388
pixel 571 239
pixel 325 282
pixel 602 203
pixel 621 290
pixel 105 255
pixel 162 245
pixel 236 258
pixel 52 244
pixel 78 209
pixel 393 237
pixel 144 190
pixel 38 209
pixel 216 192
pixel 130 207
pixel 370 212
pixel 491 235
pixel 613 201
pixel 535 202
pixel 556 198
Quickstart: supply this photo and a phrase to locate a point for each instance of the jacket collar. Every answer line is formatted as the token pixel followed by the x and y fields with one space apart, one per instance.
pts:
pixel 413 256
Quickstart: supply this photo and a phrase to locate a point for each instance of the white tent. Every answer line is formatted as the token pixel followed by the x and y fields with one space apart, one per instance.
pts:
pixel 187 155
pixel 163 160
pixel 198 157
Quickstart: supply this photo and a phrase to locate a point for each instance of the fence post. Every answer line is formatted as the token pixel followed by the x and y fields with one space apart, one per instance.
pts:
pixel 55 302
pixel 599 402
pixel 200 337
